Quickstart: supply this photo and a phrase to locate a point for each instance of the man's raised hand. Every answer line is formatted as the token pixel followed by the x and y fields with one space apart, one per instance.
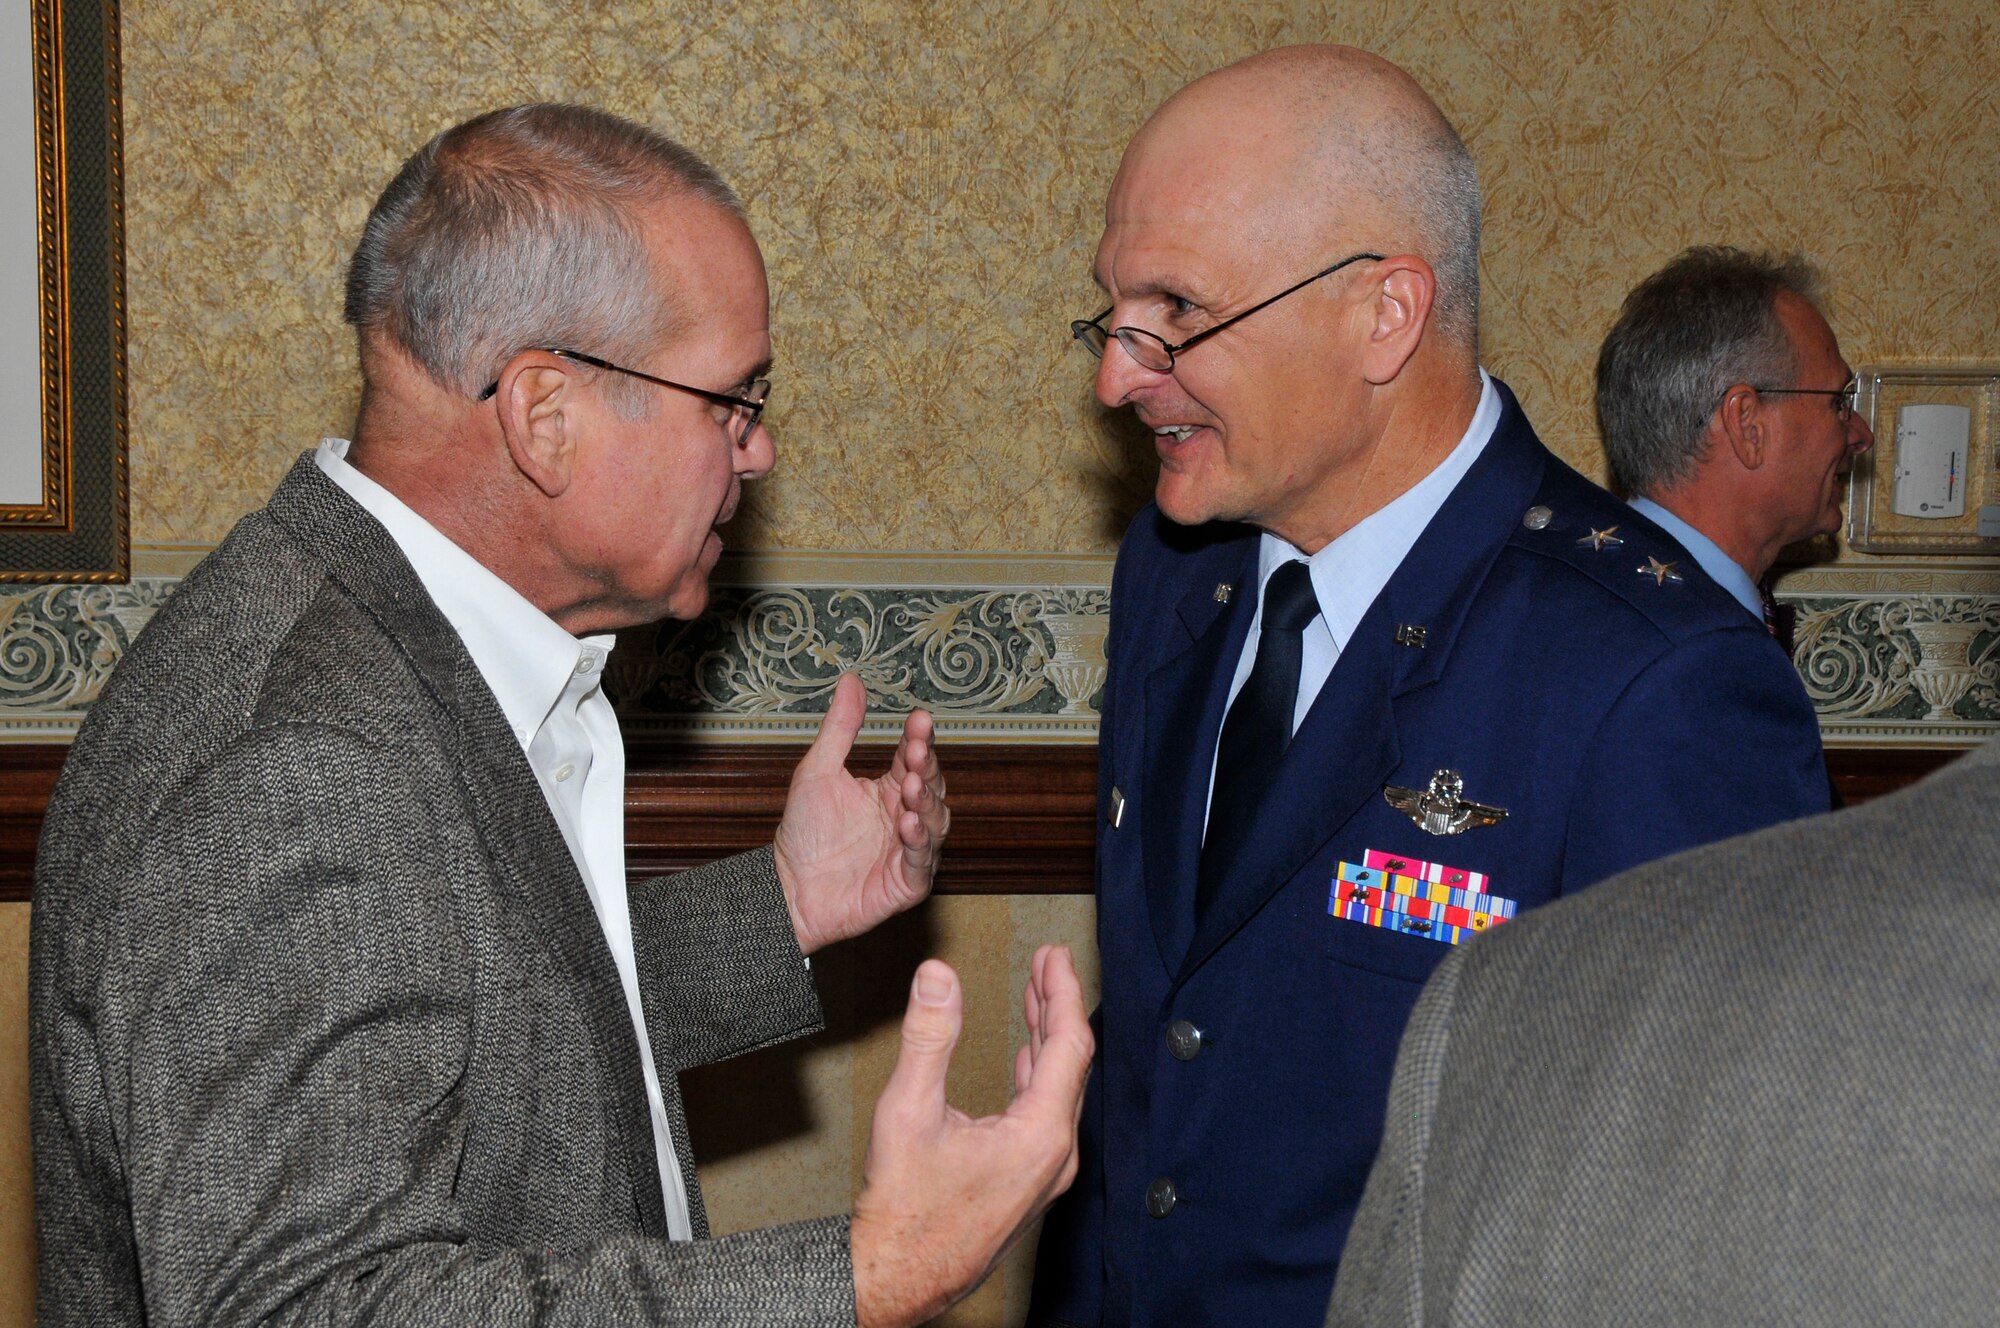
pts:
pixel 851 852
pixel 944 1195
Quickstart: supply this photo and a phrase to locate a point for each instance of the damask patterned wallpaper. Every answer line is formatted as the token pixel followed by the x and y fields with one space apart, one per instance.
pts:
pixel 927 178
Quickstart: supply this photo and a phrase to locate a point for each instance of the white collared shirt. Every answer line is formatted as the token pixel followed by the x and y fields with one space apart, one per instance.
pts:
pixel 543 679
pixel 1351 571
pixel 1724 570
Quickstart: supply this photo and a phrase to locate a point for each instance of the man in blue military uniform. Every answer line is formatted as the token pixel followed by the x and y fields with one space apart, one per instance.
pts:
pixel 1383 672
pixel 1728 414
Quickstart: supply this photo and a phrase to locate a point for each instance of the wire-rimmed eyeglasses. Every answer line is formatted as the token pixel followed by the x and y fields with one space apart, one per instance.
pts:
pixel 1155 352
pixel 745 410
pixel 1846 397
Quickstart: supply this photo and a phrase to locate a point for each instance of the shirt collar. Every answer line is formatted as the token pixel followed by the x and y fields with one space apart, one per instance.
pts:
pixel 1350 572
pixel 1721 568
pixel 525 658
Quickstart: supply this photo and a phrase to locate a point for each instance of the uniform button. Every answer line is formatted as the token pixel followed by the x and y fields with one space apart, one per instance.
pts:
pixel 1183 1040
pixel 1160 1197
pixel 1536 517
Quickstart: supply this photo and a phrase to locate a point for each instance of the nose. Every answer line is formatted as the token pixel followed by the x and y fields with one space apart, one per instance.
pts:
pixel 755 453
pixel 1859 436
pixel 1119 376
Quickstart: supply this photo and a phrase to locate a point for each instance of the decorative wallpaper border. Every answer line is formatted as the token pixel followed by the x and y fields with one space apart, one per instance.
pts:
pixel 1012 649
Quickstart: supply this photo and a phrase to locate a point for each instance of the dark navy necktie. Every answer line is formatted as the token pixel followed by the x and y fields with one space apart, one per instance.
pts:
pixel 1258 727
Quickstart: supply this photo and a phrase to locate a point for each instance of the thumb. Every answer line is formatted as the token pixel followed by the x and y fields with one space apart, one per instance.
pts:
pixel 930 1032
pixel 837 730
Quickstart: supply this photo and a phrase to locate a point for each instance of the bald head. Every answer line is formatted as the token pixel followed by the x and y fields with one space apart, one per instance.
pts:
pixel 1326 148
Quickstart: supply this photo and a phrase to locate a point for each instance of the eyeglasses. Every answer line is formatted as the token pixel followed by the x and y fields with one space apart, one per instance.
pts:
pixel 1156 352
pixel 745 410
pixel 1846 397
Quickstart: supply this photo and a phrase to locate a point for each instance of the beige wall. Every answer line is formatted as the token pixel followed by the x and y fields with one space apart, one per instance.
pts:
pixel 926 179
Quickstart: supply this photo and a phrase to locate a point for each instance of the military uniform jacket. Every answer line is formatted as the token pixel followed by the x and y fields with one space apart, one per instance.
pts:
pixel 1614 711
pixel 323 1026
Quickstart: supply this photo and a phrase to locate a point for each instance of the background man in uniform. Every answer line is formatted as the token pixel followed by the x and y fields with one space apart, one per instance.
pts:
pixel 1753 1083
pixel 342 1010
pixel 1444 670
pixel 1728 414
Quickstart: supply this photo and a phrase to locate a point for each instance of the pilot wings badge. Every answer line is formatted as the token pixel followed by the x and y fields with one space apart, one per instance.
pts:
pixel 1438 810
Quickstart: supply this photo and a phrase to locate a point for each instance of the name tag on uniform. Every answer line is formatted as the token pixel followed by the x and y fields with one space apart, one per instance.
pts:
pixel 1428 900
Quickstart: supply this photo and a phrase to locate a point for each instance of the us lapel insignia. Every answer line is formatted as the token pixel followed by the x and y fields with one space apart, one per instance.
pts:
pixel 1439 810
pixel 1223 590
pixel 1424 899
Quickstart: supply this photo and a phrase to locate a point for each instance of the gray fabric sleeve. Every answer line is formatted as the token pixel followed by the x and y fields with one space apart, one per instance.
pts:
pixel 287 1047
pixel 1380 1284
pixel 720 969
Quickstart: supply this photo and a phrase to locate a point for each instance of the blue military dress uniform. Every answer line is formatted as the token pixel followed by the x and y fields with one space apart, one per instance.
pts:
pixel 1553 648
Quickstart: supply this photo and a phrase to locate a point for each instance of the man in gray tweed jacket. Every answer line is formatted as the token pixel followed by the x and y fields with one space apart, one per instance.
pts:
pixel 342 1009
pixel 1750 1084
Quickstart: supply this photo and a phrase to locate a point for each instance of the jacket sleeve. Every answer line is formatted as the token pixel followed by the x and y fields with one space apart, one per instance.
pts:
pixel 715 947
pixel 284 1035
pixel 1381 1278
pixel 1714 738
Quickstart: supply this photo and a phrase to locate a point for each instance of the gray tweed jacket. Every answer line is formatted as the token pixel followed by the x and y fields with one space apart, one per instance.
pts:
pixel 324 1029
pixel 1758 1083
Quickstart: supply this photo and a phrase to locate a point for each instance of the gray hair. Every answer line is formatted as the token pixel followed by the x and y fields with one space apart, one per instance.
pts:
pixel 1687 334
pixel 1445 195
pixel 521 229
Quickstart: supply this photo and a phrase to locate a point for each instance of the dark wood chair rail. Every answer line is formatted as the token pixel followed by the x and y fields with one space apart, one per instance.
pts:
pixel 1023 815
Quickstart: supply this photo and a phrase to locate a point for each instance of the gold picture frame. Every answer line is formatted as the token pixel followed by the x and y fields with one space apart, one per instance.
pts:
pixel 79 529
pixel 1875 523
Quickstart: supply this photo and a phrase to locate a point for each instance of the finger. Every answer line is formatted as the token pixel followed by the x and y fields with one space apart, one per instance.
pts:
pixel 837 730
pixel 931 1024
pixel 1031 998
pixel 1024 1070
pixel 914 747
pixel 1056 1087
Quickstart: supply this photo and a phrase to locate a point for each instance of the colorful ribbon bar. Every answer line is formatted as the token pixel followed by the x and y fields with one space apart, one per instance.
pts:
pixel 1416 898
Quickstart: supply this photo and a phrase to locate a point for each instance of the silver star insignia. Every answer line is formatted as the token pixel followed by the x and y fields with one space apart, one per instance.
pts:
pixel 1659 571
pixel 1438 810
pixel 1597 539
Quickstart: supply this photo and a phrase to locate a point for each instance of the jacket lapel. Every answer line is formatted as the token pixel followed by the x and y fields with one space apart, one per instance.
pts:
pixel 1184 701
pixel 1347 748
pixel 530 862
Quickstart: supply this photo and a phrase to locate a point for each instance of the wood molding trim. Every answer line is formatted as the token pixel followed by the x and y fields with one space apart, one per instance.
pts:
pixel 1023 815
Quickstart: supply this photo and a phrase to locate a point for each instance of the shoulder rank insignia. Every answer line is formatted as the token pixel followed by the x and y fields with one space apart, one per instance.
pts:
pixel 1659 571
pixel 1438 810
pixel 1598 539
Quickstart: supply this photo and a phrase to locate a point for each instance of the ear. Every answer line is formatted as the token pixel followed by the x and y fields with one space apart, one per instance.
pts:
pixel 537 406
pixel 1398 311
pixel 1740 420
